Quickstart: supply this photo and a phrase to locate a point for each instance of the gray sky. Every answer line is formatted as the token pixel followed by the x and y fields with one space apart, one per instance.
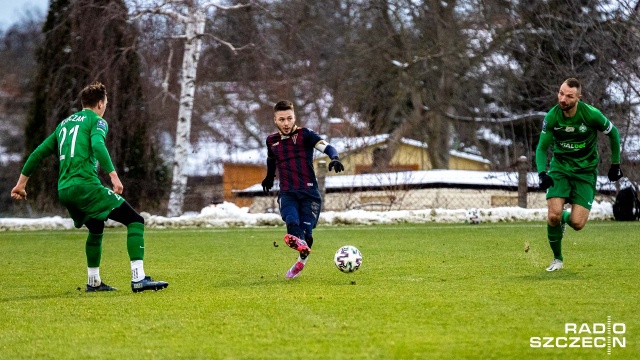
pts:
pixel 13 10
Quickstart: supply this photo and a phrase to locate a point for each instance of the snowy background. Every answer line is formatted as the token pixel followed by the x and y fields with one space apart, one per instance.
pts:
pixel 229 215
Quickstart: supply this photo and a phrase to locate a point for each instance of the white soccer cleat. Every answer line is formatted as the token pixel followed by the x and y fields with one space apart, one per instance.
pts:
pixel 555 265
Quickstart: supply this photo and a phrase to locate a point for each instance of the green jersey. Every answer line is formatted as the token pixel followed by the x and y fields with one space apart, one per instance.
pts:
pixel 78 142
pixel 575 139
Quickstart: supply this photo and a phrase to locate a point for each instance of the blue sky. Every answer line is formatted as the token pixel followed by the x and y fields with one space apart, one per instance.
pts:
pixel 13 10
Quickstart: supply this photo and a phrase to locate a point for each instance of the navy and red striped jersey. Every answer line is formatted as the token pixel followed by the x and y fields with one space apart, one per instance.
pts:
pixel 294 158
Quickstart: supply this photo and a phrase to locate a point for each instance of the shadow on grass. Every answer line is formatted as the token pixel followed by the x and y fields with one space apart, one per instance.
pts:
pixel 562 275
pixel 78 293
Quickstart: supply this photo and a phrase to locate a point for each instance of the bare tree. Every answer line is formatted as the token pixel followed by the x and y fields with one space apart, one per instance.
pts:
pixel 416 64
pixel 192 16
pixel 67 61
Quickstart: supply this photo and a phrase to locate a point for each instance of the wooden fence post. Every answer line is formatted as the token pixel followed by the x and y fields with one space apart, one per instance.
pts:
pixel 322 174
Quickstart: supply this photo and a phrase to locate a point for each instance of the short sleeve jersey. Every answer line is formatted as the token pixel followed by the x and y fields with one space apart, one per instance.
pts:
pixel 78 164
pixel 575 146
pixel 294 158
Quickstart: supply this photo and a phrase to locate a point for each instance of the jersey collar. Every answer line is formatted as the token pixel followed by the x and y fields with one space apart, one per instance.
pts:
pixel 282 136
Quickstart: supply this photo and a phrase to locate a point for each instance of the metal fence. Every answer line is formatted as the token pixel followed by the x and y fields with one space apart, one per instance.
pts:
pixel 399 191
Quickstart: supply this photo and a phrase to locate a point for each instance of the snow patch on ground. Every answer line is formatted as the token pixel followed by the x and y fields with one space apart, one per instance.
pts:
pixel 229 215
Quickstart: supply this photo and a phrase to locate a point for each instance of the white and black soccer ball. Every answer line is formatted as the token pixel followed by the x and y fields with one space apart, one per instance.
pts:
pixel 348 259
pixel 473 216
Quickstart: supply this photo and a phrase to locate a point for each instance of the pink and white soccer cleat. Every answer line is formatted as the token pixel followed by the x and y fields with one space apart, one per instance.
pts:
pixel 295 270
pixel 297 244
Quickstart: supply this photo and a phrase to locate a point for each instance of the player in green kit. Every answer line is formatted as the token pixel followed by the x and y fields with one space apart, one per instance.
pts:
pixel 78 141
pixel 572 127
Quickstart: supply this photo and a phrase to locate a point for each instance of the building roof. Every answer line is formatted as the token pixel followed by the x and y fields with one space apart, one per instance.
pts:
pixel 346 144
pixel 206 157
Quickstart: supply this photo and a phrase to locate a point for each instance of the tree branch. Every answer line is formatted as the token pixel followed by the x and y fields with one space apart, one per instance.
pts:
pixel 511 119
pixel 227 44
pixel 215 4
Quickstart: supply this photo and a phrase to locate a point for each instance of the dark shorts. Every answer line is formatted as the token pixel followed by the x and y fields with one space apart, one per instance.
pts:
pixel 86 202
pixel 301 206
pixel 578 188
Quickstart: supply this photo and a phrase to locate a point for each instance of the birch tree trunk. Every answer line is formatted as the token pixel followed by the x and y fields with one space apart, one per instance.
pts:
pixel 194 27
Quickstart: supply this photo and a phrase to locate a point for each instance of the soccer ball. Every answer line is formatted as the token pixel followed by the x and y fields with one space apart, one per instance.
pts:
pixel 348 259
pixel 473 216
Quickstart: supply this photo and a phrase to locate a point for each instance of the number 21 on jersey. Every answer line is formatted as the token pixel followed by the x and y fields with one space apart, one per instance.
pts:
pixel 62 135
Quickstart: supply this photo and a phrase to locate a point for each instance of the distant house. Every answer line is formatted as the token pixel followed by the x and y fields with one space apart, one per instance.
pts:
pixel 358 155
pixel 427 189
pixel 240 169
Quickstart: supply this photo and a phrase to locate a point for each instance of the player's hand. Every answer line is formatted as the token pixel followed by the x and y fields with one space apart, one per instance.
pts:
pixel 117 184
pixel 18 193
pixel 267 184
pixel 615 173
pixel 545 180
pixel 336 164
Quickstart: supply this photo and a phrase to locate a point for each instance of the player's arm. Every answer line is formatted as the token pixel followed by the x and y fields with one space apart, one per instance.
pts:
pixel 615 173
pixel 48 147
pixel 614 141
pixel 546 138
pixel 326 148
pixel 541 151
pixel 102 155
pixel 267 183
pixel 606 126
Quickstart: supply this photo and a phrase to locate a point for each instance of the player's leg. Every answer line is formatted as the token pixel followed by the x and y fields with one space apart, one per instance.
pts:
pixel 288 204
pixel 582 196
pixel 75 200
pixel 93 250
pixel 289 207
pixel 309 205
pixel 579 217
pixel 556 196
pixel 554 230
pixel 125 215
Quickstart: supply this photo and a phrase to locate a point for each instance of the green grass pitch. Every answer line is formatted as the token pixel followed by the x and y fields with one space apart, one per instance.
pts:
pixel 424 291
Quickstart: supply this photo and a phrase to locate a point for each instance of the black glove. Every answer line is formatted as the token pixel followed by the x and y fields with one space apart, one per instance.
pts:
pixel 615 173
pixel 336 164
pixel 545 180
pixel 267 184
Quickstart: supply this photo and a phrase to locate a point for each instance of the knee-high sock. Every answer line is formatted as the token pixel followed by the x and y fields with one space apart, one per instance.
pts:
pixel 295 230
pixel 566 218
pixel 93 250
pixel 309 239
pixel 135 241
pixel 554 234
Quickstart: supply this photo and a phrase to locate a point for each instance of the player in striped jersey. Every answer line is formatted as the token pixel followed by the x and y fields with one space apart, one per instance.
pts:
pixel 290 151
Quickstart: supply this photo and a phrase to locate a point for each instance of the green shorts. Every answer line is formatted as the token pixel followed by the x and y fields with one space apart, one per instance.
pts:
pixel 86 202
pixel 579 188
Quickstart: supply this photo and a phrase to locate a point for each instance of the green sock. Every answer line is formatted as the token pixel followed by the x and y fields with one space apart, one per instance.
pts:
pixel 135 241
pixel 566 217
pixel 554 234
pixel 93 250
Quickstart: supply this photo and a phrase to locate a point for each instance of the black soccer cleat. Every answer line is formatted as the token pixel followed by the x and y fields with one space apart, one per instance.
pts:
pixel 148 284
pixel 101 287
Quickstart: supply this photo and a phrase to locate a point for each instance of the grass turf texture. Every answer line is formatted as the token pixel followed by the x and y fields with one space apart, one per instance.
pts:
pixel 423 291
